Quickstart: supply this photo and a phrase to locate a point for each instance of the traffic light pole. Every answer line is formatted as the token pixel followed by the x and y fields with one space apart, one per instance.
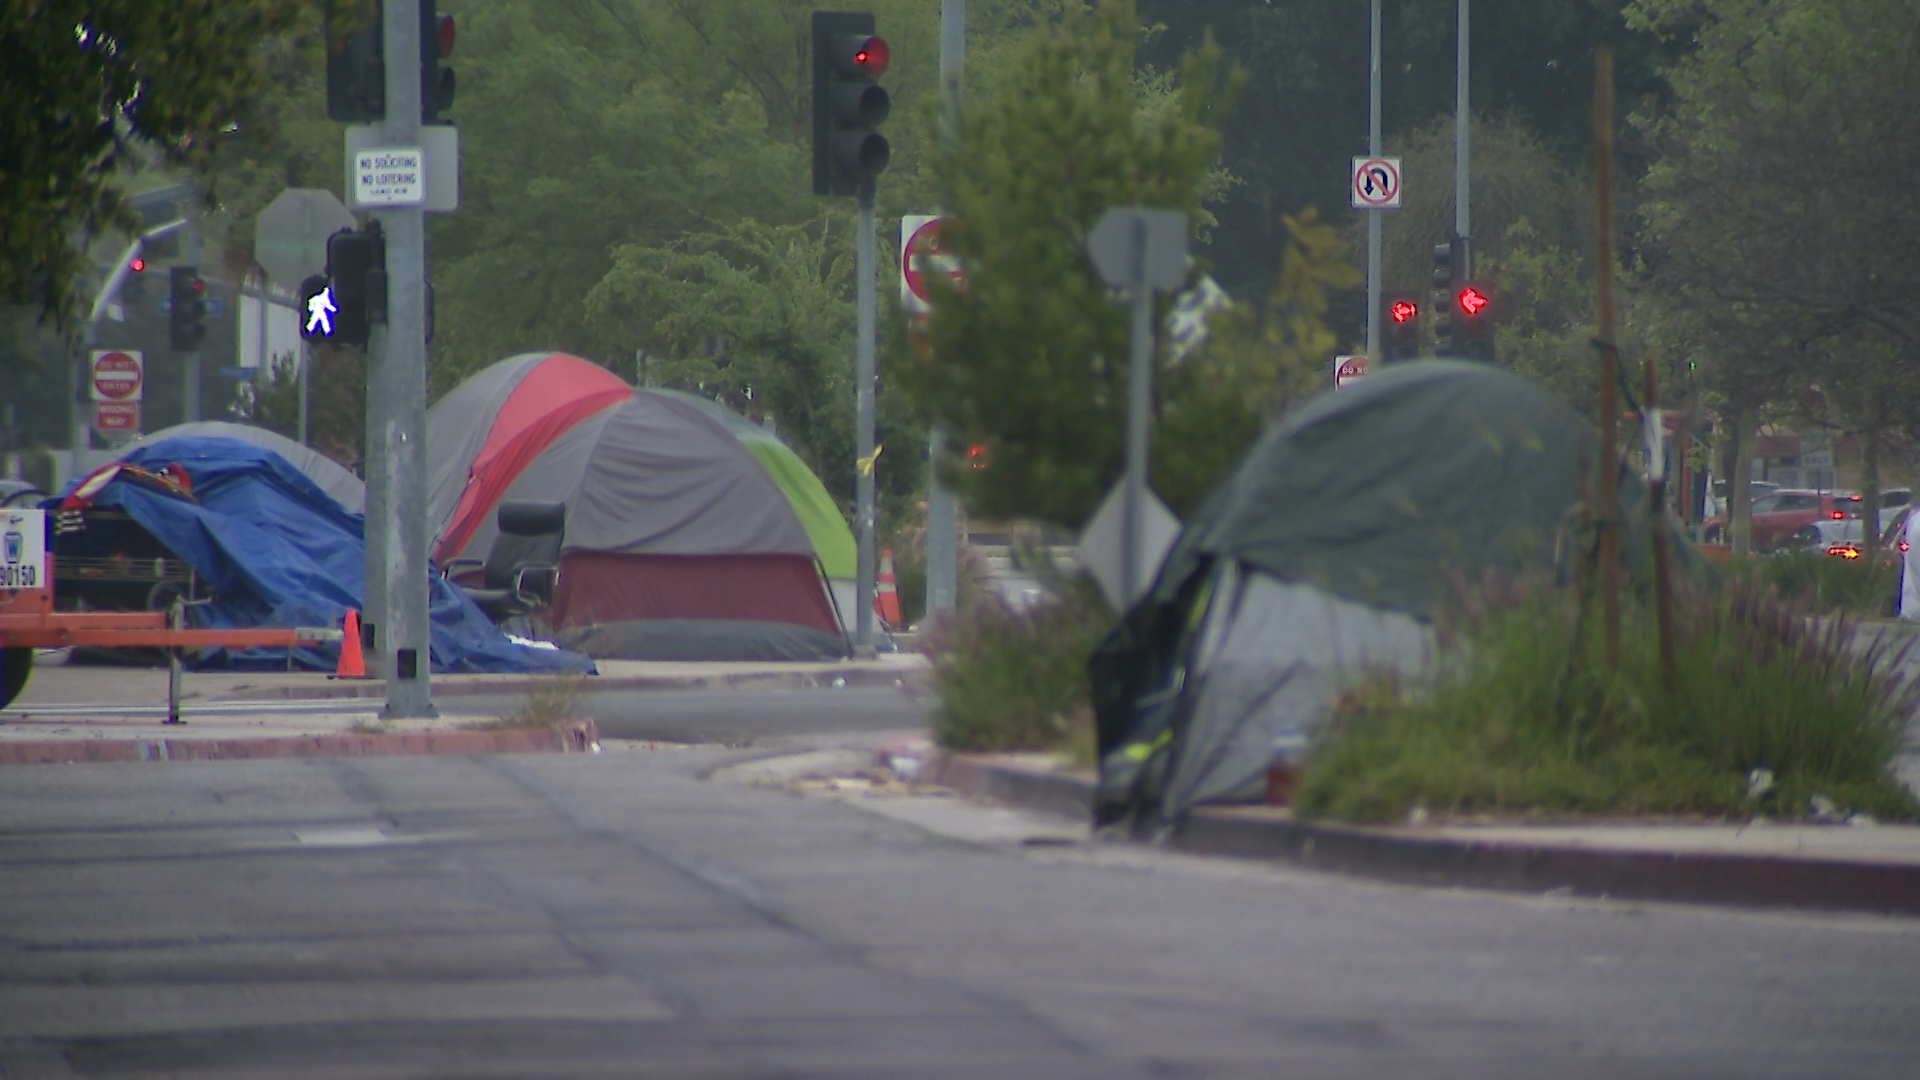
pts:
pixel 863 379
pixel 397 400
pixel 943 527
pixel 1462 125
pixel 1374 354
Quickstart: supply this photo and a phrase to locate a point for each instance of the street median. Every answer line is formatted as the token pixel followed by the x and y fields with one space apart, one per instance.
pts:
pixel 1831 868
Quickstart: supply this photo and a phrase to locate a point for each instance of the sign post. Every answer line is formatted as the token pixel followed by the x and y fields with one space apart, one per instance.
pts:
pixel 1140 251
pixel 921 257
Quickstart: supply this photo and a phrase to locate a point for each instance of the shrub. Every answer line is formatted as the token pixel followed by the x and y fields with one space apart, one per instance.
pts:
pixel 1866 586
pixel 1521 716
pixel 1012 678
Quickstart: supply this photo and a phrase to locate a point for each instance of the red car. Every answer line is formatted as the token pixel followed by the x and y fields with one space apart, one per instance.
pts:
pixel 1790 518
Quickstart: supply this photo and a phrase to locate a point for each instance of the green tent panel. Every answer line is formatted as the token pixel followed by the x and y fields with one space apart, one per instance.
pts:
pixel 831 535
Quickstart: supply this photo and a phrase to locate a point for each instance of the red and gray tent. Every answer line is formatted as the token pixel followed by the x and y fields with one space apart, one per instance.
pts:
pixel 679 542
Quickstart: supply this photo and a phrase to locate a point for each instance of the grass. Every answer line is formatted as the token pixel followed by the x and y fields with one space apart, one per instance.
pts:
pixel 1521 717
pixel 1016 679
pixel 1863 587
pixel 550 700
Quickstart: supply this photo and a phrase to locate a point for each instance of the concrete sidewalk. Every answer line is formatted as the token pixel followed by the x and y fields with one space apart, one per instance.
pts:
pixel 1832 867
pixel 83 712
pixel 60 683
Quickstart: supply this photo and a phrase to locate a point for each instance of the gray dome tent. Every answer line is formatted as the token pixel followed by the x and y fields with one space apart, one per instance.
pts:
pixel 1326 554
pixel 330 476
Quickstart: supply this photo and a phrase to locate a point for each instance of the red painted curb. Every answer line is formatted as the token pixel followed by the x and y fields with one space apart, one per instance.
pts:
pixel 571 737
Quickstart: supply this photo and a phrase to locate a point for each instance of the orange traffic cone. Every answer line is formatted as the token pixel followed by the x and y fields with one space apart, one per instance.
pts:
pixel 886 599
pixel 351 665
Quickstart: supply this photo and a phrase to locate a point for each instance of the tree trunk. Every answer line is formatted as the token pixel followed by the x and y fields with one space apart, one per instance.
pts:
pixel 1739 499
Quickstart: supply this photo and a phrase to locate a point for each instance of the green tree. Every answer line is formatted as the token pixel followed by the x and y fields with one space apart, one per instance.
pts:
pixel 1777 221
pixel 96 90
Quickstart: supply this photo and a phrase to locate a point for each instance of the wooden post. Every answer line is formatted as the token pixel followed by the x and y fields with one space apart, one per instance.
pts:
pixel 1609 510
pixel 1662 571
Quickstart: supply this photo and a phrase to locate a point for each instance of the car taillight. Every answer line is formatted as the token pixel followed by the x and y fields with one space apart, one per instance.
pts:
pixel 1903 545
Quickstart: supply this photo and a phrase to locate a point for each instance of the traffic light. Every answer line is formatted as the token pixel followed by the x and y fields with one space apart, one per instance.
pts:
pixel 356 75
pixel 436 79
pixel 1473 321
pixel 1449 269
pixel 187 319
pixel 356 62
pixel 1400 315
pixel 848 103
pixel 357 276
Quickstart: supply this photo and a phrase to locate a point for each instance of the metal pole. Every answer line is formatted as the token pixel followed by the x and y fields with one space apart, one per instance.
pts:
pixel 190 381
pixel 260 338
pixel 1373 216
pixel 1139 386
pixel 943 538
pixel 1462 223
pixel 1609 361
pixel 863 379
pixel 406 639
pixel 306 365
pixel 78 425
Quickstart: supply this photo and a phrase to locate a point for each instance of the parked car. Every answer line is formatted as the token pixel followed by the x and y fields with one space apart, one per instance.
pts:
pixel 1717 494
pixel 1791 519
pixel 1851 529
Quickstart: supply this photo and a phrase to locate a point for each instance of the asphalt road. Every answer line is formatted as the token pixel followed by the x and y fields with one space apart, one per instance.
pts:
pixel 619 915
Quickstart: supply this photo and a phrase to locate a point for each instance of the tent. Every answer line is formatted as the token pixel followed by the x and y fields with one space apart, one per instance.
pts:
pixel 1323 557
pixel 688 536
pixel 276 551
pixel 328 475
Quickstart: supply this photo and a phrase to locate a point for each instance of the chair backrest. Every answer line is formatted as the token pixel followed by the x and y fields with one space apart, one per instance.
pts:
pixel 530 533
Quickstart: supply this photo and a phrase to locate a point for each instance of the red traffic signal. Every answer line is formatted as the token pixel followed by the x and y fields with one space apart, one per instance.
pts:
pixel 1401 311
pixel 866 55
pixel 446 36
pixel 1472 300
pixel 977 457
pixel 137 265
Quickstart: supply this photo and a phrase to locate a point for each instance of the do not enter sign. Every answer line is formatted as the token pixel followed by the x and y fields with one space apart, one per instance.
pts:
pixel 922 258
pixel 118 376
pixel 1348 369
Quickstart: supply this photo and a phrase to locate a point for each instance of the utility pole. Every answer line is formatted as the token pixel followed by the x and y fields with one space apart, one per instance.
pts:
pixel 397 403
pixel 942 519
pixel 1374 355
pixel 863 378
pixel 1462 226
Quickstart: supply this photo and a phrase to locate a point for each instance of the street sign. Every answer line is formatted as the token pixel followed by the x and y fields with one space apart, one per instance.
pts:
pixel 922 258
pixel 23 551
pixel 390 176
pixel 290 236
pixel 116 417
pixel 1131 244
pixel 1100 544
pixel 1376 183
pixel 440 147
pixel 118 375
pixel 1348 369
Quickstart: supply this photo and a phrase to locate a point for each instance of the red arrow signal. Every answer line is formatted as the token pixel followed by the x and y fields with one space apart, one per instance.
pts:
pixel 1403 311
pixel 1472 301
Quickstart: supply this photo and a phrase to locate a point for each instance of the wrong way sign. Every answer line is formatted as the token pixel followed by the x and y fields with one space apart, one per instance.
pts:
pixel 118 375
pixel 923 258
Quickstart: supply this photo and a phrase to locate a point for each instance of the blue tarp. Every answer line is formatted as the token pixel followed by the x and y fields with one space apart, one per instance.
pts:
pixel 279 552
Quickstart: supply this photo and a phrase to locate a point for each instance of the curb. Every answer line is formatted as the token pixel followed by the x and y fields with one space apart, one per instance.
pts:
pixel 471 685
pixel 570 737
pixel 1683 877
